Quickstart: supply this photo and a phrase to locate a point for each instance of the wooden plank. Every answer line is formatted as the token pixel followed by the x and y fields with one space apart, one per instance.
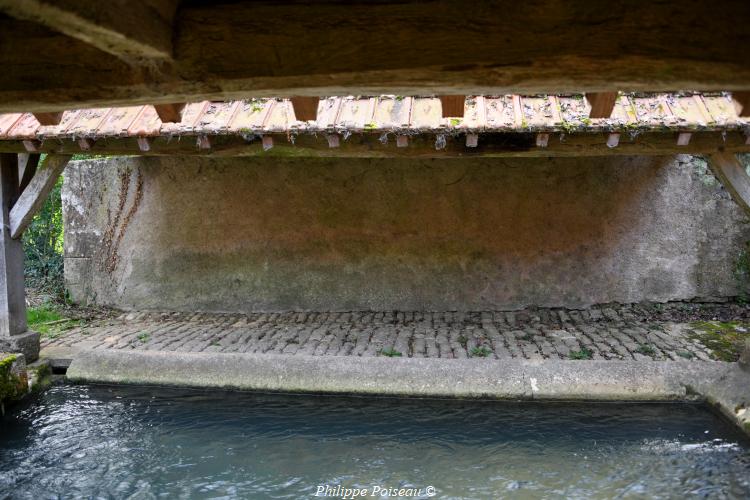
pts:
pixel 602 104
pixel 728 169
pixel 129 29
pixel 34 196
pixel 305 108
pixel 356 52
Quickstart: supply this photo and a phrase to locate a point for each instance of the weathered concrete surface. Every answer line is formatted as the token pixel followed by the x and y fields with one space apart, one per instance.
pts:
pixel 724 385
pixel 244 235
pixel 511 379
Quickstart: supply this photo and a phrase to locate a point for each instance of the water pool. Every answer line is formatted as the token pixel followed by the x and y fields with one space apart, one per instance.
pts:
pixel 119 442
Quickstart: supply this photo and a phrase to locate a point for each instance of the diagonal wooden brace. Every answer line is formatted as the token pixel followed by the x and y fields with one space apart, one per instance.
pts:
pixel 728 169
pixel 33 197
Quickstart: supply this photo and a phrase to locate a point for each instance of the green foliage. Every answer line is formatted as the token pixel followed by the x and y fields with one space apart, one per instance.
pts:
pixel 390 352
pixel 646 350
pixel 43 246
pixel 48 322
pixel 11 386
pixel 582 354
pixel 480 352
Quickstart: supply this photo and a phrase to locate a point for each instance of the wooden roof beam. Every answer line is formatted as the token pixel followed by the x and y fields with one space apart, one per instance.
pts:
pixel 49 118
pixel 742 103
pixel 453 105
pixel 602 104
pixel 170 113
pixel 128 29
pixel 630 46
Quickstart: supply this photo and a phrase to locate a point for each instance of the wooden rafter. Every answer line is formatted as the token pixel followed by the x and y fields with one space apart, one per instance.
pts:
pixel 452 105
pixel 602 104
pixel 170 113
pixel 305 108
pixel 625 49
pixel 49 118
pixel 742 103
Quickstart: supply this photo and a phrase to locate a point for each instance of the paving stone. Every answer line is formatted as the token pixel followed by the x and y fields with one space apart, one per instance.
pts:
pixel 609 332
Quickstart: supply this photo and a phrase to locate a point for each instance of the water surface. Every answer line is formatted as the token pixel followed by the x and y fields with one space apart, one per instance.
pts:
pixel 120 442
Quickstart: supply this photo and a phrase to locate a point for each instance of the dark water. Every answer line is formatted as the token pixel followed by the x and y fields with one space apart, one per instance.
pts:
pixel 82 441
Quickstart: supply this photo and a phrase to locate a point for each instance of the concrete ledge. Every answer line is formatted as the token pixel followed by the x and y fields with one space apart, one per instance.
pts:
pixel 724 385
pixel 422 377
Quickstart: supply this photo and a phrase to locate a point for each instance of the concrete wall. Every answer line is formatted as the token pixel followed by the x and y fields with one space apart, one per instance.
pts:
pixel 346 234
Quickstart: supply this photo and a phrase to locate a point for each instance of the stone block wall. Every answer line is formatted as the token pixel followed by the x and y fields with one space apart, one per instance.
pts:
pixel 267 234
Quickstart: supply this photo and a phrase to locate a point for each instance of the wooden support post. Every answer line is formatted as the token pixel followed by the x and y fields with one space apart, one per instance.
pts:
pixel 170 113
pixel 267 142
pixel 333 140
pixel 542 140
pixel 472 140
pixel 453 105
pixel 33 197
pixel 602 104
pixel 728 169
pixel 14 336
pixel 402 141
pixel 27 169
pixel 49 118
pixel 305 108
pixel 741 103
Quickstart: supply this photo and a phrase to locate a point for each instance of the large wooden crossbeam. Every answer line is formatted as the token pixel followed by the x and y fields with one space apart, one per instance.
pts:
pixel 226 50
pixel 140 29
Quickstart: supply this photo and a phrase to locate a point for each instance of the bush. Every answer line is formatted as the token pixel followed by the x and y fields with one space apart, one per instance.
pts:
pixel 43 247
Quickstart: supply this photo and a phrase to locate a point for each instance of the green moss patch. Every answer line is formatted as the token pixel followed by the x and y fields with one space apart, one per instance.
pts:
pixel 11 386
pixel 725 339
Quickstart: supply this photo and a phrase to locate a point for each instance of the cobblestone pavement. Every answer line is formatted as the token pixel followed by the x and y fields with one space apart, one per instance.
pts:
pixel 641 332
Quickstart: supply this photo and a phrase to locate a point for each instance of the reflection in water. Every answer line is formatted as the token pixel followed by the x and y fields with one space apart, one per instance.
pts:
pixel 119 442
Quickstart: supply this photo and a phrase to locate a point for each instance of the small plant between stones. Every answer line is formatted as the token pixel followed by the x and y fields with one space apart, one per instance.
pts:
pixel 480 352
pixel 582 354
pixel 390 352
pixel 646 349
pixel 143 336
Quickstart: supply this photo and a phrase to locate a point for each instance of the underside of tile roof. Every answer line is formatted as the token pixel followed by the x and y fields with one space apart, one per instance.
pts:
pixel 401 115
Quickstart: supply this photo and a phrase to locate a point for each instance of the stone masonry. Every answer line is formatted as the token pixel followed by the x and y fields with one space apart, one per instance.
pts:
pixel 611 332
